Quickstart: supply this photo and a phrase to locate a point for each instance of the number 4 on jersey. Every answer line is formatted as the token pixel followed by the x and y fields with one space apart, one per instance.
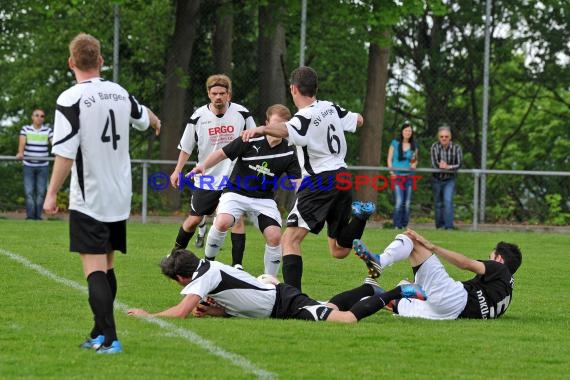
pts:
pixel 114 136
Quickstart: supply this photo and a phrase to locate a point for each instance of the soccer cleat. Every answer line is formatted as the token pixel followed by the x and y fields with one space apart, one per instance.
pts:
pixel 93 343
pixel 363 210
pixel 372 260
pixel 199 241
pixel 372 282
pixel 238 266
pixel 413 291
pixel 114 348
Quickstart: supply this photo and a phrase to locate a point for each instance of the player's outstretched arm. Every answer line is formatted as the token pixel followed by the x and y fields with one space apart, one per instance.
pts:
pixel 212 159
pixel 455 258
pixel 182 310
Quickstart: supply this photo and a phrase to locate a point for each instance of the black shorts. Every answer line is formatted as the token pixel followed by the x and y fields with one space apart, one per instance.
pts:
pixel 291 304
pixel 204 202
pixel 321 201
pixel 88 235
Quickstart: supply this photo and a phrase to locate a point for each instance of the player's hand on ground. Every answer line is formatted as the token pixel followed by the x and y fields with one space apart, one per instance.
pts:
pixel 203 310
pixel 251 133
pixel 138 312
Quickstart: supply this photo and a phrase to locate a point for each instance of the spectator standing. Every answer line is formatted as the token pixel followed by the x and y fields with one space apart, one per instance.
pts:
pixel 34 142
pixel 91 140
pixel 402 154
pixel 448 157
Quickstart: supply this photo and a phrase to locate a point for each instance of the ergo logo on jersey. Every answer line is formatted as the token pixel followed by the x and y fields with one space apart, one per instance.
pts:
pixel 221 129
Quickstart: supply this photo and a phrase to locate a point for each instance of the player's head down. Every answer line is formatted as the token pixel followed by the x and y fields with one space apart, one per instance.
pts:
pixel 511 255
pixel 180 262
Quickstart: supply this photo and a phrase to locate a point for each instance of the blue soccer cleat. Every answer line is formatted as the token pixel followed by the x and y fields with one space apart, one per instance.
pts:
pixel 372 260
pixel 413 291
pixel 114 348
pixel 363 210
pixel 93 343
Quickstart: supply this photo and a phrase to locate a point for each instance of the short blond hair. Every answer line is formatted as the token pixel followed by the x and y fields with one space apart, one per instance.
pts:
pixel 279 110
pixel 85 50
pixel 221 80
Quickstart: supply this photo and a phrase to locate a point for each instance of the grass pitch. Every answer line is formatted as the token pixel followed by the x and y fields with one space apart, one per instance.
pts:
pixel 44 315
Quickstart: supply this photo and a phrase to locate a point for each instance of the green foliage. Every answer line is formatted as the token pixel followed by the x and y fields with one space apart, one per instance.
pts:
pixel 556 215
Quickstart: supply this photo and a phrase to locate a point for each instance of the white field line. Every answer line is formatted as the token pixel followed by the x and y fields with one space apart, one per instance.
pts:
pixel 190 336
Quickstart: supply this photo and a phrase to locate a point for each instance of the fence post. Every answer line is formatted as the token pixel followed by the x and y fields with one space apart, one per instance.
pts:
pixel 144 191
pixel 476 177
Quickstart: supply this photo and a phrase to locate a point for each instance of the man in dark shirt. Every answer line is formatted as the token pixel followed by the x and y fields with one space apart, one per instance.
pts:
pixel 259 165
pixel 486 296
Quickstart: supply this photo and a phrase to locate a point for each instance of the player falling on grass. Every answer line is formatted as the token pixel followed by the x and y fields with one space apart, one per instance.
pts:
pixel 486 296
pixel 210 128
pixel 211 288
pixel 318 129
pixel 91 139
pixel 258 167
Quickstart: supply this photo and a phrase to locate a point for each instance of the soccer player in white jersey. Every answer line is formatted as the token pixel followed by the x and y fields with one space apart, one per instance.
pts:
pixel 210 128
pixel 259 165
pixel 318 128
pixel 219 290
pixel 485 296
pixel 91 140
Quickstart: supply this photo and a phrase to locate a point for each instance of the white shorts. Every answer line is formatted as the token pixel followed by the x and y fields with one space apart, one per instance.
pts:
pixel 237 205
pixel 446 298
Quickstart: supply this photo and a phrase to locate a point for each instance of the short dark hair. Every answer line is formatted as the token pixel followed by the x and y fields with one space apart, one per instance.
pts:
pixel 511 255
pixel 180 262
pixel 306 80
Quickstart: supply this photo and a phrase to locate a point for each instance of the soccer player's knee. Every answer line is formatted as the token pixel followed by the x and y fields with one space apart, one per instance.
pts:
pixel 406 241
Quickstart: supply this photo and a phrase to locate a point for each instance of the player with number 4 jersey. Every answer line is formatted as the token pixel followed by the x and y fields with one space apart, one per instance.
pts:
pixel 91 140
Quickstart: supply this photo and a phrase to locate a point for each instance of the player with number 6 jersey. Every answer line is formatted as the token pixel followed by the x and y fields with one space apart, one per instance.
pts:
pixel 317 129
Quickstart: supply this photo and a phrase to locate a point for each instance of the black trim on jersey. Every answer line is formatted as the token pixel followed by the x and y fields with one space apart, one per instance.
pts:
pixel 307 164
pixel 194 122
pixel 245 115
pixel 340 111
pixel 79 168
pixel 304 125
pixel 230 282
pixel 136 112
pixel 203 268
pixel 71 113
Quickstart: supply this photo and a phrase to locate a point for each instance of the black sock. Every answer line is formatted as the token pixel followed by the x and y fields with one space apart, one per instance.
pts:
pixel 371 305
pixel 345 300
pixel 238 248
pixel 353 230
pixel 101 302
pixel 112 282
pixel 292 270
pixel 183 238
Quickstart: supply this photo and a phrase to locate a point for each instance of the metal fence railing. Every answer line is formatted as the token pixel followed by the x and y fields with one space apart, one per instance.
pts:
pixel 475 173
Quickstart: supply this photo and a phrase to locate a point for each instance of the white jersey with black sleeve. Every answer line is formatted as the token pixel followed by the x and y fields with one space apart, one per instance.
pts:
pixel 238 292
pixel 319 130
pixel 91 127
pixel 211 132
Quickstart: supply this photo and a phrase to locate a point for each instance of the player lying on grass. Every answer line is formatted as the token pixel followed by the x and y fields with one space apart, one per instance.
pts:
pixel 485 296
pixel 216 289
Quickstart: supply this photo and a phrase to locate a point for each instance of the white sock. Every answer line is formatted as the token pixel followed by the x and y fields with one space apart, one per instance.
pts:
pixel 272 259
pixel 397 250
pixel 202 227
pixel 214 242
